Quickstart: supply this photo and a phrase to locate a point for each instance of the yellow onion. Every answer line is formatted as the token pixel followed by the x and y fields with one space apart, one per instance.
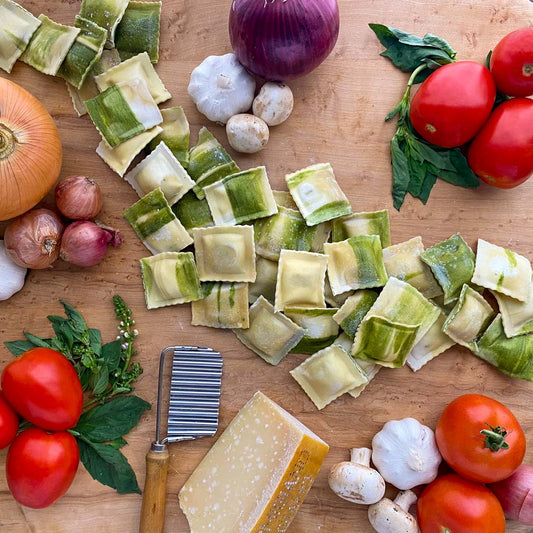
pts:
pixel 33 239
pixel 30 150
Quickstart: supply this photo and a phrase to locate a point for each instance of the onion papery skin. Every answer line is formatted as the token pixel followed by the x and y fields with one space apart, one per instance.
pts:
pixel 280 40
pixel 30 150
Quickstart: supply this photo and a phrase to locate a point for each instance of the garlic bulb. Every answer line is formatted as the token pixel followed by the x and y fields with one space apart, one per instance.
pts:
pixel 221 87
pixel 12 276
pixel 405 453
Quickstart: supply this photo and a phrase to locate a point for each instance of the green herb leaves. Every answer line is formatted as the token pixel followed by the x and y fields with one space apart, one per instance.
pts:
pixel 105 371
pixel 416 164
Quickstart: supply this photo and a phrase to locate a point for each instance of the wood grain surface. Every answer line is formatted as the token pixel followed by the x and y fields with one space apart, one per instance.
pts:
pixel 338 117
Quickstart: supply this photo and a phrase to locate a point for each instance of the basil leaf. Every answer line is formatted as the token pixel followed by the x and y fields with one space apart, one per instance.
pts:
pixel 429 182
pixel 417 172
pixel 37 341
pixel 100 380
pixel 113 419
pixel 118 443
pixel 111 353
pixel 108 465
pixel 19 347
pixel 95 341
pixel 400 172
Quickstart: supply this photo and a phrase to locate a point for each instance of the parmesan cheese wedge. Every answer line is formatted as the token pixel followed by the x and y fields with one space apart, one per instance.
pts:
pixel 256 475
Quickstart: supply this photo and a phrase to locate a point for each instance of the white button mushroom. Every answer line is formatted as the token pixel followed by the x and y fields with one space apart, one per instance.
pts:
pixel 12 276
pixel 355 481
pixel 221 87
pixel 274 103
pixel 389 516
pixel 247 133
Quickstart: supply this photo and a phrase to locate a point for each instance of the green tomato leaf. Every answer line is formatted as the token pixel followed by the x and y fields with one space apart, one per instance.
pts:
pixel 111 353
pixel 108 465
pixel 113 419
pixel 400 172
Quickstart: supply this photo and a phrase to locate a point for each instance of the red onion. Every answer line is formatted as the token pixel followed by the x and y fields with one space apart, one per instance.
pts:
pixel 85 243
pixel 32 240
pixel 281 40
pixel 78 197
pixel 516 495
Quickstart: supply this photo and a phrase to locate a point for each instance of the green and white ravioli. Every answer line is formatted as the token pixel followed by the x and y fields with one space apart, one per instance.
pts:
pixel 502 270
pixel 469 318
pixel 123 111
pixel 355 263
pixel 106 13
pixel 49 46
pixel 241 197
pixel 510 355
pixel 224 305
pixel 317 194
pixel 193 212
pixel 170 278
pixel 138 30
pixel 120 157
pixel 320 328
pixel 160 169
pixel 209 162
pixel 175 134
pixel 300 280
pixel 84 53
pixel 399 318
pixel 328 374
pixel 433 343
pixel 363 223
pixel 225 253
pixel 517 316
pixel 156 225
pixel 350 315
pixel 287 230
pixel 452 262
pixel 403 262
pixel 137 67
pixel 265 281
pixel 270 335
pixel 17 27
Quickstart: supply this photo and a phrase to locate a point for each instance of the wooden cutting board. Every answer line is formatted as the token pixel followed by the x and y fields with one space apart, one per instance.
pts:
pixel 338 117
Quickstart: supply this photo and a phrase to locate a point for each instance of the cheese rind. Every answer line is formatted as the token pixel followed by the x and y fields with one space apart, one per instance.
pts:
pixel 256 476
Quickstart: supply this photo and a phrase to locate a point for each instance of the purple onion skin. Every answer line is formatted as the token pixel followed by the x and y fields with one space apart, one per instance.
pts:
pixel 281 40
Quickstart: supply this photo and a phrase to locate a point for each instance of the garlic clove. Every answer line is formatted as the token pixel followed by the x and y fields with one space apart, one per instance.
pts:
pixel 12 276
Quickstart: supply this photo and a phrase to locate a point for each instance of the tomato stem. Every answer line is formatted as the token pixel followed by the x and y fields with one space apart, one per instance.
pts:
pixel 495 438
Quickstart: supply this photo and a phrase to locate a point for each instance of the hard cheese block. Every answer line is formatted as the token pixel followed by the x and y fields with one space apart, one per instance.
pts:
pixel 256 475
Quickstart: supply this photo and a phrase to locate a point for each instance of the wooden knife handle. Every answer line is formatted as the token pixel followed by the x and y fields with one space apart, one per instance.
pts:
pixel 155 490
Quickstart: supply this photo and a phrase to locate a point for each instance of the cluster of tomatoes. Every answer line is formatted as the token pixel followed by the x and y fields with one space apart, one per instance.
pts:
pixel 42 387
pixel 455 105
pixel 482 441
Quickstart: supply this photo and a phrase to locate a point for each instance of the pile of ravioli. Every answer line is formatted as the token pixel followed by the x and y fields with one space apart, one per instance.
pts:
pixel 288 271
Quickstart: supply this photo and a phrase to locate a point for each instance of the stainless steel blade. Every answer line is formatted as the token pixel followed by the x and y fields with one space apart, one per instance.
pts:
pixel 194 393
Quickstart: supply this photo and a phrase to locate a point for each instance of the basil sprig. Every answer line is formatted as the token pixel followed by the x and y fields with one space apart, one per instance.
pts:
pixel 416 163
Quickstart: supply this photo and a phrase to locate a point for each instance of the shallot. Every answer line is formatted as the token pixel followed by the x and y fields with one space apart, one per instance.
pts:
pixel 33 239
pixel 78 197
pixel 85 243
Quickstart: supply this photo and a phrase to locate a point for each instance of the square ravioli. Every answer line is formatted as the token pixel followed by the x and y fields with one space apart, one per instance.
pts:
pixel 241 197
pixel 328 374
pixel 317 194
pixel 363 223
pixel 160 169
pixel 270 335
pixel 320 328
pixel 356 263
pixel 300 280
pixel 225 253
pixel 502 270
pixel 170 278
pixel 224 305
pixel 517 317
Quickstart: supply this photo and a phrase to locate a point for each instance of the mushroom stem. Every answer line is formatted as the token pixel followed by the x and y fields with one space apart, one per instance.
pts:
pixel 361 456
pixel 404 499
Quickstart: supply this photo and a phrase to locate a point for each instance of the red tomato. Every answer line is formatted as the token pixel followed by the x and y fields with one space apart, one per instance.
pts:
pixel 44 388
pixel 9 423
pixel 511 63
pixel 456 505
pixel 501 154
pixel 40 466
pixel 480 438
pixel 453 103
